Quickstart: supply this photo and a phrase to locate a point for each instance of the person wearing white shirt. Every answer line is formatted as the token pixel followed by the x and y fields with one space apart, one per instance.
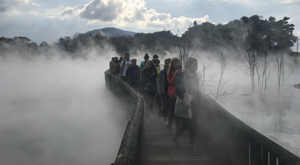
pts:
pixel 124 65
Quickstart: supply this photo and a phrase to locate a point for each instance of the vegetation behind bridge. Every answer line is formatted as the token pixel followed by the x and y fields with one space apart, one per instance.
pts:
pixel 254 35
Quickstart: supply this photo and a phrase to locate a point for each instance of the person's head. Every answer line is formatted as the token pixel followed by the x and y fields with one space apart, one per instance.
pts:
pixel 146 57
pixel 155 56
pixel 155 62
pixel 149 64
pixel 167 63
pixel 133 62
pixel 113 58
pixel 150 67
pixel 120 59
pixel 191 64
pixel 127 56
pixel 175 63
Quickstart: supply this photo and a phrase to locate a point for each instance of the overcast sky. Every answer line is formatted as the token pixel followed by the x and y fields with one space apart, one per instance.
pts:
pixel 47 20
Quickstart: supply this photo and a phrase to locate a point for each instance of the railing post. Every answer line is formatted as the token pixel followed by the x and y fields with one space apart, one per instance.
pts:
pixel 255 153
pixel 272 159
pixel 264 156
pixel 280 162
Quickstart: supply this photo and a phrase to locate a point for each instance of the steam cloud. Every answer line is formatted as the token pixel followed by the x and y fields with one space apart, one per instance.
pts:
pixel 57 111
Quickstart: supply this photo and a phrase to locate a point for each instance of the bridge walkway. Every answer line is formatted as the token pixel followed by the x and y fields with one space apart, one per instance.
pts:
pixel 158 147
pixel 222 138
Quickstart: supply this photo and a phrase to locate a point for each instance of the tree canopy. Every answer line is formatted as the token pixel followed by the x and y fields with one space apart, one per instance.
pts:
pixel 259 35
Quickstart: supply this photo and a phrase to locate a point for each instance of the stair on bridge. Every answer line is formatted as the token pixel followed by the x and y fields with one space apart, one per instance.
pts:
pixel 158 147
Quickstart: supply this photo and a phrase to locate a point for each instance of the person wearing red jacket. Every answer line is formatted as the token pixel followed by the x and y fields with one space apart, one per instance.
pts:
pixel 172 74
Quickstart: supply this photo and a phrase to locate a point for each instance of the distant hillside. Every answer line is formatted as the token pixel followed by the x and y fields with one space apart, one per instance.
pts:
pixel 111 32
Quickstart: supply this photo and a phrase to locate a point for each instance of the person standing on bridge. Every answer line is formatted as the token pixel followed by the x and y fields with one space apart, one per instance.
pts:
pixel 154 57
pixel 133 75
pixel 118 65
pixel 148 76
pixel 172 74
pixel 187 82
pixel 124 66
pixel 113 66
pixel 157 98
pixel 162 89
pixel 143 63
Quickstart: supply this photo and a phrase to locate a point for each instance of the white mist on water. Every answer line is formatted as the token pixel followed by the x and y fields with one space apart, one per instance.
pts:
pixel 57 111
pixel 277 117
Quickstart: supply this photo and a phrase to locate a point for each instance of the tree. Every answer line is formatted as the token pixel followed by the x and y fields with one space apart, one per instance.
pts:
pixel 221 84
pixel 252 41
pixel 280 39
pixel 195 24
pixel 19 41
pixel 44 44
pixel 184 46
pixel 64 43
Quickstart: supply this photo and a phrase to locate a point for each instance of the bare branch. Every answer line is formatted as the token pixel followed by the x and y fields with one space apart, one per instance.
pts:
pixel 287 77
pixel 194 50
pixel 268 76
pixel 224 84
pixel 243 71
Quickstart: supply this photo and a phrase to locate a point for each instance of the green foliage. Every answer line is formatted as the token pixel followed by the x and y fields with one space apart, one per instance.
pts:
pixel 21 45
pixel 252 33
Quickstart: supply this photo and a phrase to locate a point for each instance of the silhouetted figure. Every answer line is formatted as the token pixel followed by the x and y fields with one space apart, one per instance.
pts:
pixel 157 98
pixel 118 65
pixel 172 74
pixel 148 86
pixel 113 66
pixel 143 63
pixel 155 56
pixel 124 66
pixel 133 75
pixel 162 89
pixel 187 82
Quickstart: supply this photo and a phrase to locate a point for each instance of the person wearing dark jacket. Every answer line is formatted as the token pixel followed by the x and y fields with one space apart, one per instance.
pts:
pixel 148 87
pixel 162 90
pixel 143 63
pixel 112 66
pixel 133 75
pixel 187 82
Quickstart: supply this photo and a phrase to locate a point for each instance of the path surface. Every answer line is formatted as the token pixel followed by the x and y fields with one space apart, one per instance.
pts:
pixel 158 147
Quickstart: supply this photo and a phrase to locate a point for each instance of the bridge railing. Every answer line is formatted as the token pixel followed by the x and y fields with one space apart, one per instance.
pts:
pixel 238 143
pixel 231 140
pixel 130 149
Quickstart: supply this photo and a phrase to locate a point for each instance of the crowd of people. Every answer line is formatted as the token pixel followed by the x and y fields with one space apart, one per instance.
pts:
pixel 175 90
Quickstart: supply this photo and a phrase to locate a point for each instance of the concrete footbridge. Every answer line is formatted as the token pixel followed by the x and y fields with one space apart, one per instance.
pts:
pixel 222 138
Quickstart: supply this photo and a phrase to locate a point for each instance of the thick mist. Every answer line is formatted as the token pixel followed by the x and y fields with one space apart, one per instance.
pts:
pixel 276 116
pixel 57 111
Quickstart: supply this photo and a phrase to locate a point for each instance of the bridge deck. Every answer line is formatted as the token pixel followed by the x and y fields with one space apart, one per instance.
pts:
pixel 158 147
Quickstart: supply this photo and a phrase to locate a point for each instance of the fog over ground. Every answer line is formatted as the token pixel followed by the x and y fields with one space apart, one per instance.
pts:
pixel 57 111
pixel 277 116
